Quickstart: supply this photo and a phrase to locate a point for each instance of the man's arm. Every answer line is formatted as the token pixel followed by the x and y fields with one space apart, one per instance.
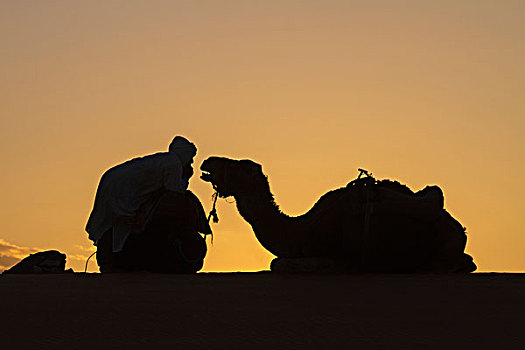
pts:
pixel 173 176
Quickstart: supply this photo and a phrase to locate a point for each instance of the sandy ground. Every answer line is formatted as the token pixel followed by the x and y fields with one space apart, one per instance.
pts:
pixel 262 311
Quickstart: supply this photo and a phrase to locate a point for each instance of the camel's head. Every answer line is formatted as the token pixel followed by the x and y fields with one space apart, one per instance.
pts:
pixel 229 176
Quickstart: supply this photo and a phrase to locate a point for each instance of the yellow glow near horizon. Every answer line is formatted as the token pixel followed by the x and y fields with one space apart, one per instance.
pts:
pixel 424 93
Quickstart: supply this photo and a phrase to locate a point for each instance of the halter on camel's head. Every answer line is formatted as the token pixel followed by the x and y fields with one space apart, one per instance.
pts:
pixel 230 177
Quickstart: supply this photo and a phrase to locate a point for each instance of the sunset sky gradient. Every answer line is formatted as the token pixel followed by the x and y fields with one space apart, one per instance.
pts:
pixel 423 92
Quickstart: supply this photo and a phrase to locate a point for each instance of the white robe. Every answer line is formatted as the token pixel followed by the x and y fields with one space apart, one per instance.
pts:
pixel 124 188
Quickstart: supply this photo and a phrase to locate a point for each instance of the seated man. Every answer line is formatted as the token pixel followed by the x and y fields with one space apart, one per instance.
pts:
pixel 144 218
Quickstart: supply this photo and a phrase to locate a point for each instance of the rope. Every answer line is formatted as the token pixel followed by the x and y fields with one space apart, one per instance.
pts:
pixel 87 261
pixel 213 212
pixel 367 243
pixel 367 182
pixel 365 254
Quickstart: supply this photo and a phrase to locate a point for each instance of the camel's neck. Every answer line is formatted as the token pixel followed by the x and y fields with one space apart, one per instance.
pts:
pixel 272 228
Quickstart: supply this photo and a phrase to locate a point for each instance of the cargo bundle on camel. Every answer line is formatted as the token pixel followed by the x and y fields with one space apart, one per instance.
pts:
pixel 367 226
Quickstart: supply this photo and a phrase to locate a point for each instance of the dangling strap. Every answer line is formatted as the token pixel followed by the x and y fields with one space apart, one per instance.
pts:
pixel 367 248
pixel 213 212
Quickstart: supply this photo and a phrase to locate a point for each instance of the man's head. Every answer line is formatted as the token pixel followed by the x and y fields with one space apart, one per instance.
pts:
pixel 184 149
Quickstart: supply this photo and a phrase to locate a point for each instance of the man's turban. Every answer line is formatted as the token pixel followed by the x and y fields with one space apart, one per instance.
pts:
pixel 183 148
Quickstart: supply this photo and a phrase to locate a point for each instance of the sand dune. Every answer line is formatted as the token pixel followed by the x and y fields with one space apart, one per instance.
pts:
pixel 263 311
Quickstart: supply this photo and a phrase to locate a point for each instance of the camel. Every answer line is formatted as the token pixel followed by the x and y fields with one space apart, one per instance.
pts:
pixel 367 226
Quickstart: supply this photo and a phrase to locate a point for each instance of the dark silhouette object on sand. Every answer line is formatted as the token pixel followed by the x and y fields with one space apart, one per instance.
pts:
pixel 49 261
pixel 367 226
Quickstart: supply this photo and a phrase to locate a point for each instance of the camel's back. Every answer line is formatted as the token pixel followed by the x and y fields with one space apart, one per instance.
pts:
pixel 384 226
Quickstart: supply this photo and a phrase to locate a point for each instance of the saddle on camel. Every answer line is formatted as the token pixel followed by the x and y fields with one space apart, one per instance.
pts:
pixel 144 218
pixel 367 226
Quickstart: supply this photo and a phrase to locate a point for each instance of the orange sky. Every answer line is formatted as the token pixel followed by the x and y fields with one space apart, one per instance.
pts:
pixel 418 91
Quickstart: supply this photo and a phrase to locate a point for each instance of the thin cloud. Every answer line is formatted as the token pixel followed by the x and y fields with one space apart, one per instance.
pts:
pixel 10 254
pixel 78 257
pixel 84 249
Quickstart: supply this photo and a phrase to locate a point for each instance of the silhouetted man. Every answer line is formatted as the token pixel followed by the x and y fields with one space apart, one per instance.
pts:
pixel 144 218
